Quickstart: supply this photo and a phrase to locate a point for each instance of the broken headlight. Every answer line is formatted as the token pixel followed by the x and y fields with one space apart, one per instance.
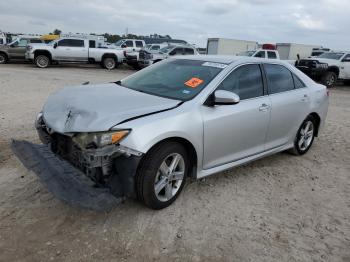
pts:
pixel 100 139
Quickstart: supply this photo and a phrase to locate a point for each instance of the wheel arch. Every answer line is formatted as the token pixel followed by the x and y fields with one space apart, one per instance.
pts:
pixel 334 69
pixel 109 55
pixel 190 149
pixel 318 121
pixel 6 55
pixel 42 52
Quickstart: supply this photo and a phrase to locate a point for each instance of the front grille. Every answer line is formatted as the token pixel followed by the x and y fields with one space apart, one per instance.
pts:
pixel 307 63
pixel 144 55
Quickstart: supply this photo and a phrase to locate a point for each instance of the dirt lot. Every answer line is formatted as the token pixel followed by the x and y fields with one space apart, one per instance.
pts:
pixel 281 208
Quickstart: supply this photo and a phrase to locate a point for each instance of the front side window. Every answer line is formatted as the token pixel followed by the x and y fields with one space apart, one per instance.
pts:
pixel 279 78
pixel 155 47
pixel 346 58
pixel 129 43
pixel 179 79
pixel 23 42
pixel 189 51
pixel 271 55
pixel 177 51
pixel 245 81
pixel 260 54
pixel 71 42
pixel 139 43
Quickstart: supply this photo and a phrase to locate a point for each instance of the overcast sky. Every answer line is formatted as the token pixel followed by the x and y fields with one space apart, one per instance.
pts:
pixel 322 22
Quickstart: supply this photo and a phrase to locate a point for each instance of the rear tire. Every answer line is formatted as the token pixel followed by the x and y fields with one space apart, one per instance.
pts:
pixel 3 58
pixel 329 79
pixel 42 61
pixel 305 137
pixel 109 63
pixel 162 175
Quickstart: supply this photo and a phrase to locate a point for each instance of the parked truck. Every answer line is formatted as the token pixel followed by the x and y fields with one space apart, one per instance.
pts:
pixel 327 68
pixel 74 50
pixel 16 49
pixel 223 46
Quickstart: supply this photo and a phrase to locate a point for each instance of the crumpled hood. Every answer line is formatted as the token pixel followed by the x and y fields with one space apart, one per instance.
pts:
pixel 94 108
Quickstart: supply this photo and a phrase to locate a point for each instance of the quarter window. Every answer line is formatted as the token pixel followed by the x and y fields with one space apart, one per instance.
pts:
pixel 245 81
pixel 279 78
pixel 297 82
pixel 271 55
pixel 189 51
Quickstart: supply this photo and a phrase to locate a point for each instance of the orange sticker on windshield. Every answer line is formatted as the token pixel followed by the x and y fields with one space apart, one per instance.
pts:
pixel 194 82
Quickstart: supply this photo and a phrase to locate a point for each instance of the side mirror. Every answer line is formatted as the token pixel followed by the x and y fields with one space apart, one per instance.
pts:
pixel 123 46
pixel 223 97
pixel 55 45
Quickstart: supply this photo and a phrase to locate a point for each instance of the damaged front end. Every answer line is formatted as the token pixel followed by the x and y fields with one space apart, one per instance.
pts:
pixel 82 169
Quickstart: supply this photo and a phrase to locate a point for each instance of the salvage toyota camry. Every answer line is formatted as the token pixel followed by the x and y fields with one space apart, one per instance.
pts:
pixel 187 116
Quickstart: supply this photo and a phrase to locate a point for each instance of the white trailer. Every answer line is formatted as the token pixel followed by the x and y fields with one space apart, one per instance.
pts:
pixel 224 46
pixel 290 51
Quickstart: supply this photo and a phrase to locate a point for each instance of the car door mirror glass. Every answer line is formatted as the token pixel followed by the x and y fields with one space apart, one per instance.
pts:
pixel 55 45
pixel 223 97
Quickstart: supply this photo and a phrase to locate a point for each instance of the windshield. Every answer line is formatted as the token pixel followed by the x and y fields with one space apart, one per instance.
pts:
pixel 119 42
pixel 166 49
pixel 331 55
pixel 246 53
pixel 179 79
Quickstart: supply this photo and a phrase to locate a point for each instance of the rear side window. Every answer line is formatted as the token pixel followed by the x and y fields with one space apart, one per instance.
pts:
pixel 297 82
pixel 279 78
pixel 260 54
pixel 92 44
pixel 245 81
pixel 139 44
pixel 271 55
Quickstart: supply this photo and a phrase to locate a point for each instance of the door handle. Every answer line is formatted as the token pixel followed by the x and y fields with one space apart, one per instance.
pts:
pixel 264 107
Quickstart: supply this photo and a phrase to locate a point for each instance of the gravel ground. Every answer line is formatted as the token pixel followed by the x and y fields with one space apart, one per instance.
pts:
pixel 281 208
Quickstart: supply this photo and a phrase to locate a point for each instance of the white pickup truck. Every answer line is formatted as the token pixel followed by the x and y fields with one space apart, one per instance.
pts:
pixel 74 50
pixel 327 67
pixel 266 54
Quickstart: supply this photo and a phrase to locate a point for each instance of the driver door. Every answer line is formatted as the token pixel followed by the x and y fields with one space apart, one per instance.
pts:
pixel 346 66
pixel 234 132
pixel 18 49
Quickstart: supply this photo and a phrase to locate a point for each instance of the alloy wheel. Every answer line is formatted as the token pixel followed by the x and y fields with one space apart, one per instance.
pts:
pixel 169 177
pixel 306 135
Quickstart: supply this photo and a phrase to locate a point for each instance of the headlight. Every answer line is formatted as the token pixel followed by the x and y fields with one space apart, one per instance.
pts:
pixel 100 139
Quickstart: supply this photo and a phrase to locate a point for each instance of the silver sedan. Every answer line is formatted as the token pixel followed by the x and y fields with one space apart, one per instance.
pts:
pixel 188 116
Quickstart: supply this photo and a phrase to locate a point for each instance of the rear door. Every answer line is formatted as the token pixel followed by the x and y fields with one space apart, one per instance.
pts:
pixel 289 104
pixel 71 50
pixel 234 132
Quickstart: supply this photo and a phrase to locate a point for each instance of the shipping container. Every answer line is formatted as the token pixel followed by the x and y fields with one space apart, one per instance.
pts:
pixel 224 46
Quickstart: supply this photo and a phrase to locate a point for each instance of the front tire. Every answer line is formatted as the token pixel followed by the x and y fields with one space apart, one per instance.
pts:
pixel 305 137
pixel 162 175
pixel 109 63
pixel 3 58
pixel 329 79
pixel 42 61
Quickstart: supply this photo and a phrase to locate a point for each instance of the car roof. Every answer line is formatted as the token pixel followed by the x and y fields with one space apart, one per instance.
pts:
pixel 229 59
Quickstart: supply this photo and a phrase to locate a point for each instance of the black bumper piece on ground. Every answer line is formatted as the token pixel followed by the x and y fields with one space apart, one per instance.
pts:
pixel 62 179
